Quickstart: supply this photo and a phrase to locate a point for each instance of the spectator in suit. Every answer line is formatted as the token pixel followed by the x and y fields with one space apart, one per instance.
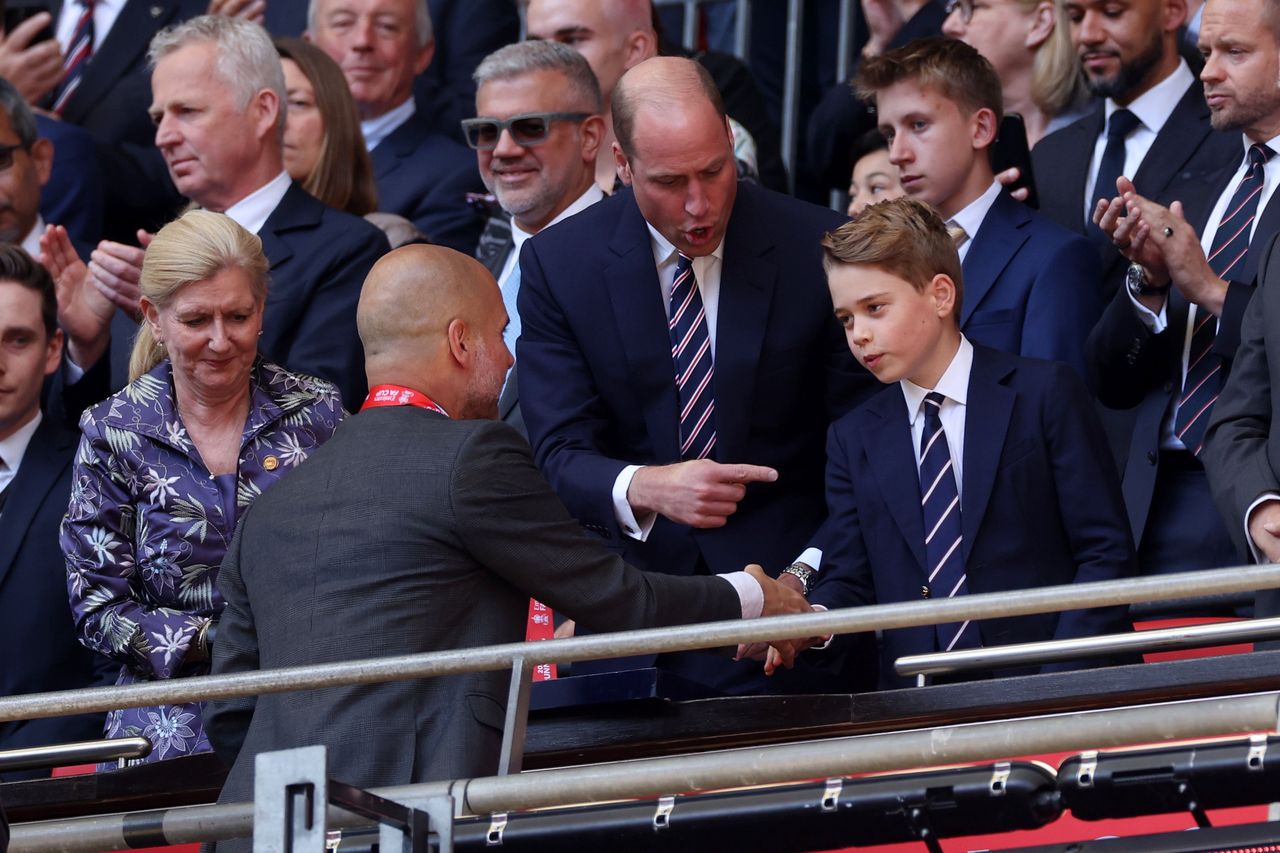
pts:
pixel 28 161
pixel 440 539
pixel 422 174
pixel 1031 284
pixel 219 93
pixel 1029 45
pixel 764 374
pixel 1015 489
pixel 541 168
pixel 1167 346
pixel 37 637
pixel 166 466
pixel 1150 122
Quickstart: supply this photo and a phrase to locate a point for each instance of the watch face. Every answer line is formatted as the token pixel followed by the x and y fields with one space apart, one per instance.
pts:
pixel 1135 280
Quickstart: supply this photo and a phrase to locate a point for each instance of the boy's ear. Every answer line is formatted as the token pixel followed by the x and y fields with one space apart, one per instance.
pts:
pixel 984 128
pixel 943 290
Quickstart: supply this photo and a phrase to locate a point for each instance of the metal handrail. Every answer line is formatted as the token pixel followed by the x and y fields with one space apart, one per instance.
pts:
pixel 80 752
pixel 655 640
pixel 1051 651
pixel 1188 719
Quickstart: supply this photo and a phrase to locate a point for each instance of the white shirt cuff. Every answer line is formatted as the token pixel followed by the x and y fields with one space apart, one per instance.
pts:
pixel 631 526
pixel 71 372
pixel 811 557
pixel 1258 556
pixel 1157 323
pixel 749 593
pixel 818 608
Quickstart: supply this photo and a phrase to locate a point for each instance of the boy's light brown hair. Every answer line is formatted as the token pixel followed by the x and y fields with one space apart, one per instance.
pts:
pixel 902 237
pixel 946 65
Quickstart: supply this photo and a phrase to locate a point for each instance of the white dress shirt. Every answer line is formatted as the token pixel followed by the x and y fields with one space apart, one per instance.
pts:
pixel 377 129
pixel 13 448
pixel 1152 108
pixel 971 216
pixel 105 13
pixel 519 235
pixel 31 242
pixel 252 211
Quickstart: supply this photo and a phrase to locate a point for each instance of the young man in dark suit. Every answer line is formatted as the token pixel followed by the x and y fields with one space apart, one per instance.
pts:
pixel 37 639
pixel 1015 485
pixel 1032 285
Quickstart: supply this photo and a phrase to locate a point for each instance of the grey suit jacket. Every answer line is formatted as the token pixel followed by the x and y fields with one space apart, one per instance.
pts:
pixel 409 532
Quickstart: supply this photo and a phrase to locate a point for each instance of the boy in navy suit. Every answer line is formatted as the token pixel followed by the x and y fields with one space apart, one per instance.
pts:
pixel 1015 487
pixel 1033 286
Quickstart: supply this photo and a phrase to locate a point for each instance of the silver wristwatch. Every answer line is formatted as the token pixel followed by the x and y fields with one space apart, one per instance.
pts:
pixel 804 573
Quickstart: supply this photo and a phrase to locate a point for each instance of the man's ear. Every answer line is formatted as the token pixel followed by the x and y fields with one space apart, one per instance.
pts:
pixel 592 130
pixel 943 290
pixel 459 342
pixel 622 164
pixel 266 105
pixel 42 156
pixel 422 58
pixel 639 46
pixel 53 358
pixel 1044 19
pixel 985 128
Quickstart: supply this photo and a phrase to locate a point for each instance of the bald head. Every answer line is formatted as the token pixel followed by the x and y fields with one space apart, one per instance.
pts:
pixel 657 84
pixel 408 302
pixel 613 35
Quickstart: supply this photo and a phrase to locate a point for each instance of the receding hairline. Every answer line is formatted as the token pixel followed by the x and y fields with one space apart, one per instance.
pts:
pixel 415 291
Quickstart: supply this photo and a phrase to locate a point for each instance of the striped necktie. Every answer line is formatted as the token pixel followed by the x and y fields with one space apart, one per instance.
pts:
pixel 1203 382
pixel 78 55
pixel 940 501
pixel 691 355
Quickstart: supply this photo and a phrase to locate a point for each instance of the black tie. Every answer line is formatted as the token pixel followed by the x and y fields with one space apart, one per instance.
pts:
pixel 1119 126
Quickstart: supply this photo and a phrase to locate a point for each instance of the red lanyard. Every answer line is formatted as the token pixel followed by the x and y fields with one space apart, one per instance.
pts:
pixel 399 395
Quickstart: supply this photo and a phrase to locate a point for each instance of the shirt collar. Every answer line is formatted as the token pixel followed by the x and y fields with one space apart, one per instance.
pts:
pixel 13 448
pixel 664 249
pixel 971 215
pixel 1154 106
pixel 581 203
pixel 32 241
pixel 252 211
pixel 380 127
pixel 954 384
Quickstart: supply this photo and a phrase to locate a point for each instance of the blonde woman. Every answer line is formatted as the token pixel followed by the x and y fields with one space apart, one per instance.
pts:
pixel 166 465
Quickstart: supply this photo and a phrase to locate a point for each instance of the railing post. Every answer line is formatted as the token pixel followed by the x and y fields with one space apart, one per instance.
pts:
pixel 516 723
pixel 290 800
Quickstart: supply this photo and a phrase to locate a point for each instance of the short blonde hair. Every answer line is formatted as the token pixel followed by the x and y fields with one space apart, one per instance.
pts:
pixel 903 237
pixel 194 247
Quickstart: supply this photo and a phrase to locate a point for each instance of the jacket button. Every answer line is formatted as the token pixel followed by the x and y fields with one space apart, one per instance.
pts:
pixel 924 591
pixel 1153 457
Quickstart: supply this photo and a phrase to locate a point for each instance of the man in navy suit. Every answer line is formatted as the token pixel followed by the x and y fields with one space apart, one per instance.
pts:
pixel 218 115
pixel 1015 486
pixel 37 638
pixel 1149 100
pixel 1032 285
pixel 738 478
pixel 1166 343
pixel 423 175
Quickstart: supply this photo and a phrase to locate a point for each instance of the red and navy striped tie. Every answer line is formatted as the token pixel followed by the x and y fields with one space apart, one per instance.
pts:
pixel 1227 255
pixel 78 53
pixel 940 501
pixel 691 355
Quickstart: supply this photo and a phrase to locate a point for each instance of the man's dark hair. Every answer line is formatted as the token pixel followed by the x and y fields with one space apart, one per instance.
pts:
pixel 21 118
pixel 19 267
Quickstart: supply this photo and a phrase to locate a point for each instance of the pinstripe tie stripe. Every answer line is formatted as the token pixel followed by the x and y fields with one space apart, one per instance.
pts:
pixel 691 357
pixel 940 506
pixel 77 57
pixel 1203 381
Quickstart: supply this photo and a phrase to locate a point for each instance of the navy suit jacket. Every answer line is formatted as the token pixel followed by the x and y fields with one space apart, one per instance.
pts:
pixel 37 637
pixel 1040 504
pixel 319 259
pixel 1030 286
pixel 425 177
pixel 1184 152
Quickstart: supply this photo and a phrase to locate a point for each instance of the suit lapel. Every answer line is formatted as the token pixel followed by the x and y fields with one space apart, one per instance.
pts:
pixel 893 464
pixel 295 210
pixel 46 457
pixel 1069 201
pixel 636 297
pixel 987 414
pixel 398 144
pixel 748 277
pixel 1175 144
pixel 119 50
pixel 998 239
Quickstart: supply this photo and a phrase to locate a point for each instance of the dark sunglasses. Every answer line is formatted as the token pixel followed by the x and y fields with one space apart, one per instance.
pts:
pixel 527 129
pixel 6 154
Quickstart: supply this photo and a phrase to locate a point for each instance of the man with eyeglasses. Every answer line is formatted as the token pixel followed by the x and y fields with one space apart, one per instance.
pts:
pixel 679 360
pixel 25 164
pixel 537 133
pixel 422 175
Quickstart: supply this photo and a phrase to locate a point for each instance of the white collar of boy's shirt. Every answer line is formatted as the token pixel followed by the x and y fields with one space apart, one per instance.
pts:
pixel 253 211
pixel 954 384
pixel 31 242
pixel 379 128
pixel 13 448
pixel 971 216
pixel 519 235
pixel 105 13
pixel 1154 106
pixel 706 268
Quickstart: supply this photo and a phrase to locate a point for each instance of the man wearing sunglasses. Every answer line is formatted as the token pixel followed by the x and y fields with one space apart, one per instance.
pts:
pixel 679 360
pixel 536 135
pixel 422 175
